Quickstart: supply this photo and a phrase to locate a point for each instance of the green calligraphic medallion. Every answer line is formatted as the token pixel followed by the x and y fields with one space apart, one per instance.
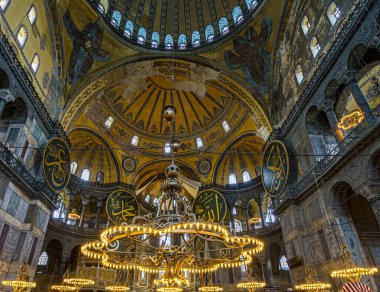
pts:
pixel 210 206
pixel 122 206
pixel 56 164
pixel 275 169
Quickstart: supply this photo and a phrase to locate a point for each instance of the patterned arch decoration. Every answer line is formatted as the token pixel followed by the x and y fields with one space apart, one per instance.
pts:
pixel 196 38
pixel 209 31
pixel 116 18
pixel 223 25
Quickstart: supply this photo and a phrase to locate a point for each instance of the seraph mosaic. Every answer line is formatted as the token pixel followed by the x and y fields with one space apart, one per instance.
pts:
pixel 251 56
pixel 86 48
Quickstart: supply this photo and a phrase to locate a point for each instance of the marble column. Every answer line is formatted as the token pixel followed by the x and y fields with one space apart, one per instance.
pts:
pixel 260 205
pixel 70 200
pixel 98 214
pixel 265 272
pixel 372 193
pixel 327 106
pixel 83 214
pixel 2 105
pixel 351 81
pixel 62 264
pixel 246 213
pixel 232 219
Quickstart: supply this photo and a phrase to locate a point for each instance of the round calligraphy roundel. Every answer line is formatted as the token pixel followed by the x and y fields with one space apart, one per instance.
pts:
pixel 210 206
pixel 56 164
pixel 275 169
pixel 122 206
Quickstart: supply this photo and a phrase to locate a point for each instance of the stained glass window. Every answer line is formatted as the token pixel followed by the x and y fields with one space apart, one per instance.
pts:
pixel 32 14
pixel 237 14
pixel 116 18
pixel 43 259
pixel 182 41
pixel 141 36
pixel 246 176
pixel 169 41
pixel 251 3
pixel 35 63
pixel 199 142
pixel 128 31
pixel 135 141
pixel 232 179
pixel 4 4
pixel 155 39
pixel 305 25
pixel 196 38
pixel 223 25
pixel 108 123
pixel 333 13
pixel 86 173
pixel 73 167
pixel 22 36
pixel 209 31
pixel 226 126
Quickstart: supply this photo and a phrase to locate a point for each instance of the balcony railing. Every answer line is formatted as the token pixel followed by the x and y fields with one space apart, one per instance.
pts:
pixel 348 143
pixel 11 162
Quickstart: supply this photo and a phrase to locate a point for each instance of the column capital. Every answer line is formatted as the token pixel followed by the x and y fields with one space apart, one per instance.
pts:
pixel 349 76
pixel 327 105
pixel 6 95
pixel 85 201
pixel 370 191
pixel 99 204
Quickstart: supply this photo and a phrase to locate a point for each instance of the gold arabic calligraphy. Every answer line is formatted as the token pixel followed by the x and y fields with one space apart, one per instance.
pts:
pixel 57 164
pixel 209 207
pixel 122 206
pixel 275 163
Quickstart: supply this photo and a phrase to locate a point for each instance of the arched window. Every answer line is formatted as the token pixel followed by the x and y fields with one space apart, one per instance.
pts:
pixel 168 41
pixel 299 74
pixel 57 213
pixel 135 141
pixel 165 240
pixel 226 126
pixel 32 14
pixel 35 63
pixel 209 32
pixel 237 14
pixel 100 177
pixel 103 6
pixel 141 36
pixel 147 199
pixel 116 18
pixel 4 4
pixel 314 46
pixel 167 148
pixel 251 3
pixel 234 211
pixel 86 174
pixel 246 176
pixel 196 38
pixel 333 13
pixel 155 202
pixel 238 226
pixel 305 25
pixel 243 268
pixel 232 179
pixel 284 263
pixel 43 259
pixel 155 39
pixel 22 36
pixel 199 142
pixel 73 167
pixel 182 41
pixel 223 25
pixel 108 123
pixel 128 31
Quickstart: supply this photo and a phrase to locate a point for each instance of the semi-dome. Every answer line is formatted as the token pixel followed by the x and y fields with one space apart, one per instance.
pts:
pixel 181 25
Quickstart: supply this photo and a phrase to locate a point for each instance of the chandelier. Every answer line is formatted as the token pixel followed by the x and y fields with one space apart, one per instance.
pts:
pixel 173 242
pixel 311 284
pixel 62 288
pixel 79 280
pixel 21 283
pixel 352 272
pixel 250 285
pixel 117 288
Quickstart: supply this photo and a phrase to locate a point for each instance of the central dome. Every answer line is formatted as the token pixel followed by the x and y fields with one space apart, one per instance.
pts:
pixel 181 25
